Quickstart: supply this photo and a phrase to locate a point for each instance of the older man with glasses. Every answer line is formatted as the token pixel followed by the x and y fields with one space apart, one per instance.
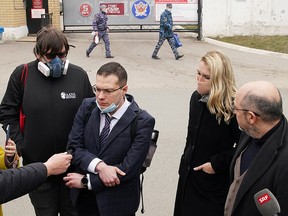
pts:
pixel 107 158
pixel 50 96
pixel 260 161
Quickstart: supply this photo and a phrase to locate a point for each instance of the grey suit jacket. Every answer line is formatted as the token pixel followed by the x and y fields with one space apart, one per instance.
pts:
pixel 119 150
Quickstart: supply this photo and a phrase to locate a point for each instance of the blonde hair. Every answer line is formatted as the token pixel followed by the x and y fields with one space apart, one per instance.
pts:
pixel 223 85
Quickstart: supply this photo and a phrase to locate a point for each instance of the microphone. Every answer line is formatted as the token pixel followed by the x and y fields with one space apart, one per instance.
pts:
pixel 267 203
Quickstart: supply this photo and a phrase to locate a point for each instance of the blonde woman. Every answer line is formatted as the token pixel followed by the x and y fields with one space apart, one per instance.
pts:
pixel 8 159
pixel 212 135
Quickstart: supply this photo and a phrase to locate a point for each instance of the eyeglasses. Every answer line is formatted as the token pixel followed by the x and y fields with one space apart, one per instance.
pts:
pixel 53 55
pixel 245 110
pixel 97 90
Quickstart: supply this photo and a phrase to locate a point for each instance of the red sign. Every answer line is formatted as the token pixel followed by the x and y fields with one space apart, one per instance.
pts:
pixel 85 9
pixel 171 1
pixel 114 8
pixel 37 4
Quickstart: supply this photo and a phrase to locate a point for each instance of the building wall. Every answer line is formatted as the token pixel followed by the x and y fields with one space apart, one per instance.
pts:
pixel 13 18
pixel 54 7
pixel 244 17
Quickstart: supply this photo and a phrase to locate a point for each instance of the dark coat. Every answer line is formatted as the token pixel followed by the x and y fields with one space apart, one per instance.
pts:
pixel 269 169
pixel 166 25
pixel 18 182
pixel 119 150
pixel 100 22
pixel 207 141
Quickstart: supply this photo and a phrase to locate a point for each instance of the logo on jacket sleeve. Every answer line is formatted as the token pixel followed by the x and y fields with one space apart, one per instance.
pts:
pixel 65 95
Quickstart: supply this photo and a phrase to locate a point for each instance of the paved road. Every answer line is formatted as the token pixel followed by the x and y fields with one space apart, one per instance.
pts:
pixel 162 87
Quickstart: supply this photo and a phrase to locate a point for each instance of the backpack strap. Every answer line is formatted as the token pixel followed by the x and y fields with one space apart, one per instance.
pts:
pixel 134 125
pixel 24 75
pixel 141 193
pixel 23 79
pixel 133 135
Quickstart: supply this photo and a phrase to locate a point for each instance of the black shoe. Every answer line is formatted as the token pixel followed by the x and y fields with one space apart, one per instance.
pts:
pixel 179 56
pixel 109 56
pixel 155 57
pixel 87 54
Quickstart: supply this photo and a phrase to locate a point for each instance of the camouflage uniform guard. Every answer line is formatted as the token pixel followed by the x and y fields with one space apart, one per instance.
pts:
pixel 166 32
pixel 101 30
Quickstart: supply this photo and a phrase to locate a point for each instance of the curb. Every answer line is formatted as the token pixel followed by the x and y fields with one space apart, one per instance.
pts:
pixel 27 39
pixel 245 49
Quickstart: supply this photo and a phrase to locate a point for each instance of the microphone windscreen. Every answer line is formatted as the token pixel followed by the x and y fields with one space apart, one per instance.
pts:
pixel 266 203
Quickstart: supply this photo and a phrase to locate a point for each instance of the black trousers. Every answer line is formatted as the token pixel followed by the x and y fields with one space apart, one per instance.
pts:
pixel 87 205
pixel 51 198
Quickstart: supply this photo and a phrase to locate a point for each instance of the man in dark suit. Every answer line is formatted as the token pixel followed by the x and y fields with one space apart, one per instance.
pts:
pixel 261 158
pixel 108 168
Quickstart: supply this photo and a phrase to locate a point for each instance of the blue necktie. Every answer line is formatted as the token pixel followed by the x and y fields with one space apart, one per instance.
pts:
pixel 105 131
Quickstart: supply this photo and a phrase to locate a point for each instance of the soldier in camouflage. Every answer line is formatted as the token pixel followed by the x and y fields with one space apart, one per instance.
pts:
pixel 101 30
pixel 166 32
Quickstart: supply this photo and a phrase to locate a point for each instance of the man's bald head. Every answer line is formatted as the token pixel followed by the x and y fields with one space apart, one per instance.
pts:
pixel 263 98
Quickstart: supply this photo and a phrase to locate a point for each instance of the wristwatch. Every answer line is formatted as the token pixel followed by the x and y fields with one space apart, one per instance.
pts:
pixel 84 181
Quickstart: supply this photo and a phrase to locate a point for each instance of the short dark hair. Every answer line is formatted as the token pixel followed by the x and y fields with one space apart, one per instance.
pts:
pixel 50 39
pixel 114 68
pixel 268 109
pixel 169 5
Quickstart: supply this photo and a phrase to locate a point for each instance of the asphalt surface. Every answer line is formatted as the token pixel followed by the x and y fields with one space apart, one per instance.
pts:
pixel 162 87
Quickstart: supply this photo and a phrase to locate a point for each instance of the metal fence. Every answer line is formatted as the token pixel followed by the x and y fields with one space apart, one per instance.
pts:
pixel 130 16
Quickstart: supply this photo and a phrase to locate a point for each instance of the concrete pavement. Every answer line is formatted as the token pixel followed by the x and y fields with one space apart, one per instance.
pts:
pixel 162 87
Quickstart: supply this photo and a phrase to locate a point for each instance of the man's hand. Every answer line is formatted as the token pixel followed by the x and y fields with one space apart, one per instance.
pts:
pixel 206 167
pixel 73 180
pixel 109 174
pixel 58 163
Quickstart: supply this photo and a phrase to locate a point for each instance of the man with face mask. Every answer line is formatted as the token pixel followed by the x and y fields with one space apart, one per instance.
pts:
pixel 166 33
pixel 50 98
pixel 101 29
pixel 107 181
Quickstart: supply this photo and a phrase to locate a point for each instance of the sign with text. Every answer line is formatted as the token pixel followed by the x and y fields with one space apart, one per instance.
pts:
pixel 114 8
pixel 36 13
pixel 180 12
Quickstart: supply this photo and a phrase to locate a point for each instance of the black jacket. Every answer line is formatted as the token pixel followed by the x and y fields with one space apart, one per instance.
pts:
pixel 49 104
pixel 269 169
pixel 17 182
pixel 207 141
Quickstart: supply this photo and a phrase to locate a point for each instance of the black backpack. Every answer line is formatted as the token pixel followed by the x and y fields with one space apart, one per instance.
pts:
pixel 152 149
